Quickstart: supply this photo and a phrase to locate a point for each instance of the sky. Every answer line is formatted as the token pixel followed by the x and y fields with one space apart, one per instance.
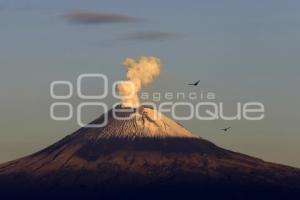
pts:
pixel 241 50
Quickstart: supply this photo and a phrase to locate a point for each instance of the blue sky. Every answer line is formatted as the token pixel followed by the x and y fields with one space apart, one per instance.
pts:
pixel 242 51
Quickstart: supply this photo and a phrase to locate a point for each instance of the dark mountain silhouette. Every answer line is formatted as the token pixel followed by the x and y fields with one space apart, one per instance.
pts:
pixel 144 158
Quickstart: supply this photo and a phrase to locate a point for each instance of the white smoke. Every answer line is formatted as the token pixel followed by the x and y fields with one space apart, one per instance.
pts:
pixel 140 72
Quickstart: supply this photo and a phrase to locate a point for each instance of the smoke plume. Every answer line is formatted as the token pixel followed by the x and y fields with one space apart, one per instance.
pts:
pixel 140 72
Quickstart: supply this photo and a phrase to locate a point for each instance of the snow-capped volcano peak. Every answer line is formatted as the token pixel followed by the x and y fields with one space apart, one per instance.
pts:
pixel 140 122
pixel 140 157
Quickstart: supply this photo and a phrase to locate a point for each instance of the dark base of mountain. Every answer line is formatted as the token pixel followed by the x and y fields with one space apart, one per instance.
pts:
pixel 170 191
pixel 145 168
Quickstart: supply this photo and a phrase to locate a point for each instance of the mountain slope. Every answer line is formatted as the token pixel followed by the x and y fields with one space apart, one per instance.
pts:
pixel 144 155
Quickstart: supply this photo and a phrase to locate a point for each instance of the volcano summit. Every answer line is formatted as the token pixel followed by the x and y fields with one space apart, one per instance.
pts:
pixel 144 157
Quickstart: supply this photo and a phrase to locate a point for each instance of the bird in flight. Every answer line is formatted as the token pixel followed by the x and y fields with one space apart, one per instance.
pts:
pixel 226 129
pixel 194 84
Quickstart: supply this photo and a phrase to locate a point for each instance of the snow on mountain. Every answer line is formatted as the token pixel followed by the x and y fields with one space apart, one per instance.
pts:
pixel 141 122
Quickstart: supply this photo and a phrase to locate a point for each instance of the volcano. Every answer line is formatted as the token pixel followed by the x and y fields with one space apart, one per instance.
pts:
pixel 144 157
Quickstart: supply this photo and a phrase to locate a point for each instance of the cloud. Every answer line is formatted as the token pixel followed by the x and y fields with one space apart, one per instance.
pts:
pixel 150 36
pixel 88 17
